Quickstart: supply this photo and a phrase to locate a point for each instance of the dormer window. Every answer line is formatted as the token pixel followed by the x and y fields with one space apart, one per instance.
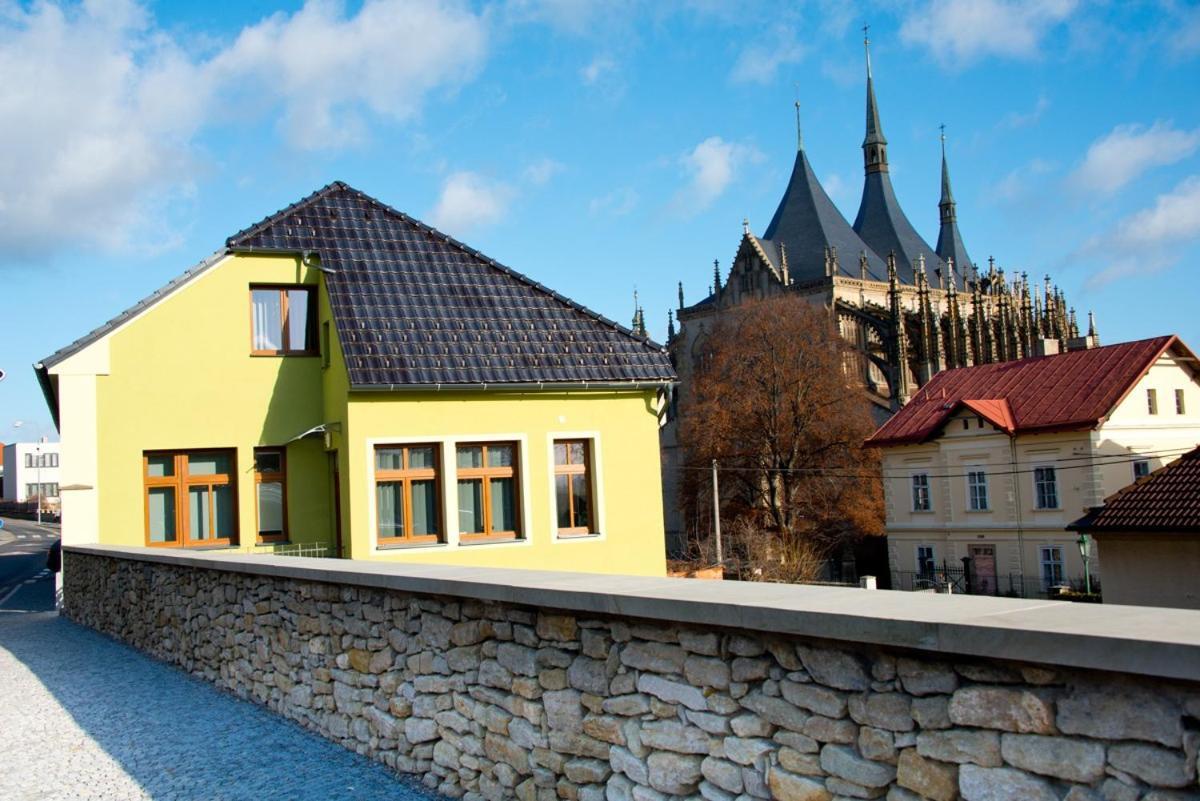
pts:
pixel 283 321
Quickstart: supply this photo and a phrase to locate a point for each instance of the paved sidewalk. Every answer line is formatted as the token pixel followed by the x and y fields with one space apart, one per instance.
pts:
pixel 84 717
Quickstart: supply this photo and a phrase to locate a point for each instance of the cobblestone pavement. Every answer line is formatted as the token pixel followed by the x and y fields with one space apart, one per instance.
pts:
pixel 85 717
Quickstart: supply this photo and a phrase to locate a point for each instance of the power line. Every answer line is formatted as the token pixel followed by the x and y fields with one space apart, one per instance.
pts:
pixel 1004 468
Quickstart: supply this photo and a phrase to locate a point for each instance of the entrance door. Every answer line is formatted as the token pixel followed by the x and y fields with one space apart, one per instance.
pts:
pixel 336 482
pixel 983 560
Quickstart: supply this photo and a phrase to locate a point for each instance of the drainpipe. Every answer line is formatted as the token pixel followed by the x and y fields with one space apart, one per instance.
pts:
pixel 1012 448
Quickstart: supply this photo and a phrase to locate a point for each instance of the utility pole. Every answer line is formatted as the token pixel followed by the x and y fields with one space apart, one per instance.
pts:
pixel 717 515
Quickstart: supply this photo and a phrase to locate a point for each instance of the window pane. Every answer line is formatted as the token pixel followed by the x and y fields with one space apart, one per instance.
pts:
pixel 577 453
pixel 504 506
pixel 583 512
pixel 425 508
pixel 268 461
pixel 470 456
pixel 162 514
pixel 208 464
pixel 160 466
pixel 420 458
pixel 562 500
pixel 389 458
pixel 225 511
pixel 390 508
pixel 560 453
pixel 270 507
pixel 500 456
pixel 300 329
pixel 470 506
pixel 199 516
pixel 267 313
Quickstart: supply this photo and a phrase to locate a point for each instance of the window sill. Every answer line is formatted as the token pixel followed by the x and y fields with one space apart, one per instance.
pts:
pixel 272 354
pixel 490 541
pixel 588 535
pixel 407 546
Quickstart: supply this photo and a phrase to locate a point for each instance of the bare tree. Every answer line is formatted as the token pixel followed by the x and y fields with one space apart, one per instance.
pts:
pixel 774 403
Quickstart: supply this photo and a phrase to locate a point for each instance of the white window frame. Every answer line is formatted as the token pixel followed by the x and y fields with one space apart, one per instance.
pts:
pixel 913 487
pixel 449 448
pixel 1060 562
pixel 597 468
pixel 972 496
pixel 1037 496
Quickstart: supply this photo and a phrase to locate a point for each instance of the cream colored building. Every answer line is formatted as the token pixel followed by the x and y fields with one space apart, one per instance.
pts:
pixel 991 463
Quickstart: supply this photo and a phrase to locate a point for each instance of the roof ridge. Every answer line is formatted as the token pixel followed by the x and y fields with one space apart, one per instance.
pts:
pixel 432 231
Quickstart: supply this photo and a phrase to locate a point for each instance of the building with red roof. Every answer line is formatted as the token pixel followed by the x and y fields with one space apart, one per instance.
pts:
pixel 1149 537
pixel 986 465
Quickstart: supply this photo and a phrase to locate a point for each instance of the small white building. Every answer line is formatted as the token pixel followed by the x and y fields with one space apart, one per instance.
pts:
pixel 30 471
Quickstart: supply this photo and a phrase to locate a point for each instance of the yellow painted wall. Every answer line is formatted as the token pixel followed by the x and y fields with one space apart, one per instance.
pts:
pixel 629 486
pixel 181 377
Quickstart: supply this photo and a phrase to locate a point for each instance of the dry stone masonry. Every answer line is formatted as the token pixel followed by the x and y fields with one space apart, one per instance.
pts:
pixel 496 701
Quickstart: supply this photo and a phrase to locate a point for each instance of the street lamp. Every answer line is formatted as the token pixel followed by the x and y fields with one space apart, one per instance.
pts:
pixel 1085 551
pixel 37 449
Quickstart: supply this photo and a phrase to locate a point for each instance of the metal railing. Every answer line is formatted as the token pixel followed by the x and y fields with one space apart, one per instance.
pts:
pixel 317 549
pixel 953 579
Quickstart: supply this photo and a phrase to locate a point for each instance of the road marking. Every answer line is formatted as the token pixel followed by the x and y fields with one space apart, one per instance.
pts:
pixel 9 594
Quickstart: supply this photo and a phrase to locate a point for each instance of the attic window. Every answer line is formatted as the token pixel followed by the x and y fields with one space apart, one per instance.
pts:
pixel 283 321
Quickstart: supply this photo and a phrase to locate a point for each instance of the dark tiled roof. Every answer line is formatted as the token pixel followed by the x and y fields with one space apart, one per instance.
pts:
pixel 415 307
pixel 807 223
pixel 882 224
pixel 1167 500
pixel 1068 391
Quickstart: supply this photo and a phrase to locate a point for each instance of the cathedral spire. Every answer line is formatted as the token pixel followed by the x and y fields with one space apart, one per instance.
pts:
pixel 874 145
pixel 949 245
pixel 799 131
pixel 947 201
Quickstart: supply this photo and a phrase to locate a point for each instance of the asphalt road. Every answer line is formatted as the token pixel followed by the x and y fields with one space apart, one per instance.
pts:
pixel 25 583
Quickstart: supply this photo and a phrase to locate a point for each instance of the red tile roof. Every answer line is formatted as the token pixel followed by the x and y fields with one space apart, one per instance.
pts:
pixel 1066 391
pixel 1167 500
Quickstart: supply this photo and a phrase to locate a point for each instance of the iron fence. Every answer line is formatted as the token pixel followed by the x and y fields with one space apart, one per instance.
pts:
pixel 947 578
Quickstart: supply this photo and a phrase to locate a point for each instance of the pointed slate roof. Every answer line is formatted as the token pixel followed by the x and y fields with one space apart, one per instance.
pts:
pixel 881 223
pixel 950 244
pixel 414 307
pixel 807 223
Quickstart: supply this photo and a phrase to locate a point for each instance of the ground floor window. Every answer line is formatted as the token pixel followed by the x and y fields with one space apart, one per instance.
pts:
pixel 573 487
pixel 49 490
pixel 408 494
pixel 191 497
pixel 488 476
pixel 270 493
pixel 1052 566
pixel 925 562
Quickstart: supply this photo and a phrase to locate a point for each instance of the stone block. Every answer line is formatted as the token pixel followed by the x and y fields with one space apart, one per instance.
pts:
pixel 836 669
pixel 827 730
pixel 586 771
pixel 891 711
pixel 934 780
pixel 961 745
pixel 676 774
pixel 1156 766
pixel 746 751
pixel 819 700
pixel 926 678
pixel 843 762
pixel 707 671
pixel 1065 758
pixel 564 710
pixel 877 744
pixel 558 628
pixel 802 763
pixel 749 725
pixel 589 675
pixel 671 735
pixel 1002 708
pixel 656 657
pixel 672 691
pixel 722 773
pixel 1002 784
pixel 776 710
pixel 787 786
pixel 1121 712
pixel 627 705
pixel 624 762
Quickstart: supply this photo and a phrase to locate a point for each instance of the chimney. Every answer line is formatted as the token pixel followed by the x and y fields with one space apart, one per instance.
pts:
pixel 1081 343
pixel 1047 347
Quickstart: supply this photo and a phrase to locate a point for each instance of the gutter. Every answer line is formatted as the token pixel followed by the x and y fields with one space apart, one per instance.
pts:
pixel 539 386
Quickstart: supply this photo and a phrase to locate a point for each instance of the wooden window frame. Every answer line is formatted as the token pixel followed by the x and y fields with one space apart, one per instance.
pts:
pixel 570 469
pixel 1045 485
pixel 923 490
pixel 485 474
pixel 1152 401
pixel 405 476
pixel 271 477
pixel 181 481
pixel 1180 403
pixel 285 333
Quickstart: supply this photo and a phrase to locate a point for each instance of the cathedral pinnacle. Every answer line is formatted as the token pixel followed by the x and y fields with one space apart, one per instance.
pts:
pixel 874 145
pixel 799 133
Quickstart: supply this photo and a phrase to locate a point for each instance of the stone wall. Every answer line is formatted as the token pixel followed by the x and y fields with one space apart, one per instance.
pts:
pixel 490 700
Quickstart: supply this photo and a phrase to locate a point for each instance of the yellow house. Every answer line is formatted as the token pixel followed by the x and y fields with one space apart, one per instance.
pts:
pixel 986 466
pixel 341 379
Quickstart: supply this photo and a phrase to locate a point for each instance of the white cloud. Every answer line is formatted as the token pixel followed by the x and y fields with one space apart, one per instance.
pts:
pixel 711 167
pixel 958 32
pixel 322 66
pixel 596 69
pixel 759 61
pixel 96 114
pixel 1023 119
pixel 617 203
pixel 1017 186
pixel 1149 239
pixel 1126 152
pixel 99 107
pixel 469 200
pixel 542 171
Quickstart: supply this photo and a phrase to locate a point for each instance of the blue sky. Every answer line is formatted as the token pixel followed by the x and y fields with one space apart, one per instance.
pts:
pixel 597 146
